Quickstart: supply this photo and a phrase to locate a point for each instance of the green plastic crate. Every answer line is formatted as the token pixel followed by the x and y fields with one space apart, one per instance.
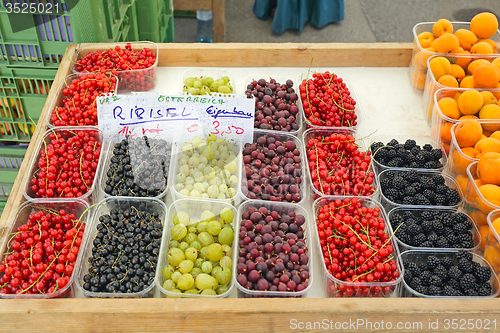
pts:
pixel 153 17
pixel 10 163
pixel 23 92
pixel 86 21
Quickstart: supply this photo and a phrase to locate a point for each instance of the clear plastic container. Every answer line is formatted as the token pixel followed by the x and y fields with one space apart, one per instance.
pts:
pixel 104 207
pixel 74 206
pixel 357 109
pixel 420 140
pixel 194 207
pixel 279 137
pixel 492 244
pixel 57 101
pixel 418 64
pixel 281 80
pixel 66 132
pixel 317 132
pixel 449 181
pixel 106 163
pixel 214 73
pixel 127 78
pixel 419 257
pixel 281 208
pixel 417 211
pixel 333 285
pixel 441 124
pixel 474 197
pixel 174 170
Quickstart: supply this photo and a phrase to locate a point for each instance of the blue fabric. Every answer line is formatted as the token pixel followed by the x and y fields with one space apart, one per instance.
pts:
pixel 294 14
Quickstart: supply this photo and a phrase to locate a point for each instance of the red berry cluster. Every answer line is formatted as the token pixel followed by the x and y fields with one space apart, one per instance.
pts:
pixel 67 165
pixel 42 254
pixel 338 167
pixel 79 103
pixel 327 101
pixel 134 68
pixel 355 248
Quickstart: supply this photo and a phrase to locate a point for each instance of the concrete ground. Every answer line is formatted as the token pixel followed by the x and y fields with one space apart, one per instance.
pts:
pixel 365 21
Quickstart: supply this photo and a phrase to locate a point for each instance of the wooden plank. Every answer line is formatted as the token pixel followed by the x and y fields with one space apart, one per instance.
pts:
pixel 236 315
pixel 286 55
pixel 192 5
pixel 218 21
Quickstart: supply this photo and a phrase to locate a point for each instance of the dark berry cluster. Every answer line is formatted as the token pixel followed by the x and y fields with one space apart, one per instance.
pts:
pixel 413 188
pixel 125 251
pixel 436 229
pixel 139 167
pixel 407 155
pixel 449 275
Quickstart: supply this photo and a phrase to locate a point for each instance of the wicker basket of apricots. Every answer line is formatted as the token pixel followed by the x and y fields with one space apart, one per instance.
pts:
pixel 453 106
pixel 460 42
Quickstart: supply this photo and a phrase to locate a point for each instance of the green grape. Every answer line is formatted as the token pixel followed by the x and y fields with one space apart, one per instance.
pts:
pixel 204 196
pixel 206 267
pixel 209 172
pixel 173 243
pixel 221 196
pixel 203 160
pixel 189 81
pixel 222 289
pixel 208 292
pixel 207 216
pixel 175 276
pixel 226 79
pixel 186 281
pixel 196 271
pixel 196 142
pixel 197 83
pixel 224 174
pixel 187 148
pixel 189 188
pixel 232 167
pixel 195 194
pixel 214 228
pixel 193 161
pixel 192 228
pixel 213 191
pixel 214 252
pixel 215 270
pixel 205 239
pixel 227 214
pixel 204 90
pixel 185 89
pixel 198 174
pixel 203 252
pixel 214 87
pixel 220 165
pixel 220 82
pixel 175 256
pixel 192 291
pixel 202 79
pixel 226 235
pixel 174 291
pixel 222 188
pixel 183 159
pixel 202 226
pixel 167 271
pixel 211 138
pixel 226 262
pixel 189 181
pixel 228 251
pixel 181 217
pixel 223 276
pixel 223 155
pixel 233 180
pixel 196 245
pixel 183 246
pixel 198 262
pixel 231 192
pixel 191 254
pixel 206 185
pixel 179 187
pixel 168 284
pixel 191 237
pixel 186 266
pixel 185 192
pixel 209 80
pixel 205 281
pixel 224 90
pixel 179 231
pixel 223 148
pixel 199 187
pixel 207 153
pixel 201 166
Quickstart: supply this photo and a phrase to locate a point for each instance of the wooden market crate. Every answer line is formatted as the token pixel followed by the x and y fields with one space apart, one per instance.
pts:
pixel 230 315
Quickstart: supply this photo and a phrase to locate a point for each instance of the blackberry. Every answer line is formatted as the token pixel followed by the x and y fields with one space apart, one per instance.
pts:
pixel 421 200
pixel 391 174
pixel 468 224
pixel 447 262
pixel 413 228
pixel 391 194
pixel 391 153
pixel 381 155
pixel 418 187
pixel 453 197
pixel 414 165
pixel 437 154
pixel 440 200
pixel 448 231
pixel 426 215
pixel 432 237
pixel 465 239
pixel 449 291
pixel 483 274
pixel 415 283
pixel 409 144
pixel 413 268
pixel 408 276
pixel 401 152
pixel 441 271
pixel 435 291
pixel 438 180
pixel 442 243
pixel 421 289
pixel 446 221
pixel 454 272
pixel 475 266
pixel 468 282
pixel 464 255
pixel 427 155
pixel 427 147
pixel 427 183
pixel 411 176
pixel 420 159
pixel 459 228
pixel 433 262
pixel 465 265
pixel 427 226
pixel 435 280
pixel 415 150
pixel 438 227
pixel 410 191
pixel 454 283
pixel 469 244
pixel 405 238
pixel 472 292
pixel 441 189
pixel 396 220
pixel 393 143
pixel 395 163
pixel 425 277
pixel 385 183
pixel 398 182
pixel 409 201
pixel 427 244
pixel 411 159
pixel 376 146
pixel 459 218
pixel 407 214
pixel 419 239
pixel 430 165
pixel 484 291
pixel 429 195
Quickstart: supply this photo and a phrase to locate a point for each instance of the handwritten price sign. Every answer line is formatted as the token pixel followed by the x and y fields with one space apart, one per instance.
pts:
pixel 177 117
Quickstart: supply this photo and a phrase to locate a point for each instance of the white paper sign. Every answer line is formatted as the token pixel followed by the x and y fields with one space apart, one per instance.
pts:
pixel 178 117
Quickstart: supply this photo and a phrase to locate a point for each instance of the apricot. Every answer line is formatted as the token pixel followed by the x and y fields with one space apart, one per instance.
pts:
pixel 470 102
pixel 426 38
pixel 449 107
pixel 462 159
pixel 466 38
pixel 492 43
pixel 448 81
pixel 479 218
pixel 468 133
pixel 462 59
pixel 481 48
pixel 457 72
pixel 445 132
pixel 448 43
pixel 488 98
pixel 475 64
pixel 440 66
pixel 483 25
pixel 468 82
pixel 490 111
pixel 486 145
pixel 443 26
pixel 488 169
pixel 486 76
pixel 491 198
pixel 483 232
pixel 418 79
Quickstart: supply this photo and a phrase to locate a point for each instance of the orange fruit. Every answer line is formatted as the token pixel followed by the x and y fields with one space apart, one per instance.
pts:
pixel 496 62
pixel 445 132
pixel 468 133
pixel 440 66
pixel 424 56
pixel 462 59
pixel 492 43
pixel 449 107
pixel 426 38
pixel 483 25
pixel 417 62
pixel 483 232
pixel 470 102
pixel 492 255
pixel 488 98
pixel 462 182
pixel 496 92
pixel 466 38
pixel 443 26
pixel 448 81
pixel 479 218
pixel 418 79
pixel 490 111
pixel 448 43
pixel 488 169
pixel 457 72
pixel 496 225
pixel 468 117
pixel 495 135
pixel 487 145
pixel 468 82
pixel 457 96
pixel 486 76
pixel 461 160
pixel 491 195
pixel 481 48
pixel 475 64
